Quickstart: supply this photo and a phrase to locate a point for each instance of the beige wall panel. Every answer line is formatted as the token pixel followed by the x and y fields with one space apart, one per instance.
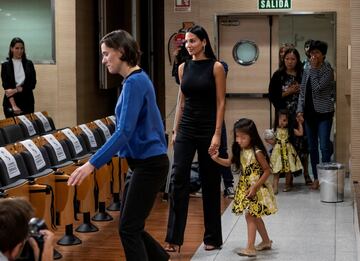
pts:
pixel 45 88
pixel 204 11
pixel 66 63
pixel 256 109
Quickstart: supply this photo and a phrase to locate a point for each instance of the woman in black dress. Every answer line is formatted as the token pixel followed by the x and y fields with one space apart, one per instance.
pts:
pixel 199 118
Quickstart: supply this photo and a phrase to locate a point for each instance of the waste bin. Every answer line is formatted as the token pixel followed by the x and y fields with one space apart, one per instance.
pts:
pixel 331 177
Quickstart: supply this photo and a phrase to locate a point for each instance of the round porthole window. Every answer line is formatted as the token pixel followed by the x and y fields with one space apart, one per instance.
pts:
pixel 245 52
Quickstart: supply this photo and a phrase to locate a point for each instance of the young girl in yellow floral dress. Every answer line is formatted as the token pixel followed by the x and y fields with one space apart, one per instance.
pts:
pixel 284 158
pixel 254 195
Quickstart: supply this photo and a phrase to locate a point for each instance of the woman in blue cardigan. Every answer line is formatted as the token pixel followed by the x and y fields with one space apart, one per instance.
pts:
pixel 139 137
pixel 18 79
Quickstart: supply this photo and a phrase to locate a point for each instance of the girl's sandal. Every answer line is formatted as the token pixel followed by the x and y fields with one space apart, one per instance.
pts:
pixel 247 252
pixel 263 246
pixel 315 185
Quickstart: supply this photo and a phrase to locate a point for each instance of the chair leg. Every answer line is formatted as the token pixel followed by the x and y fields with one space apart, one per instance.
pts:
pixel 86 226
pixel 116 204
pixel 57 255
pixel 69 239
pixel 102 215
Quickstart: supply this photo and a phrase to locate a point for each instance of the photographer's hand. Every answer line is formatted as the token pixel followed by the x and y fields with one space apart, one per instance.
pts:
pixel 48 250
pixel 35 247
pixel 48 247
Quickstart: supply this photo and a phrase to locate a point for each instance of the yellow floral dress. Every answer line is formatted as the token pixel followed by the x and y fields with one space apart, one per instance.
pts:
pixel 264 202
pixel 284 157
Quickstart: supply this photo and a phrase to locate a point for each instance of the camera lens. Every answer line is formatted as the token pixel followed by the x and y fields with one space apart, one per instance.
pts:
pixel 35 225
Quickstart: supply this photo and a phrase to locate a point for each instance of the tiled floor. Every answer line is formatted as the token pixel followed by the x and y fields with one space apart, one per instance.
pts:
pixel 303 229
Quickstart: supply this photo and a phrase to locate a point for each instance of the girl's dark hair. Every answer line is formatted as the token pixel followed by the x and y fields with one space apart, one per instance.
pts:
pixel 248 127
pixel 14 41
pixel 277 116
pixel 298 66
pixel 201 33
pixel 292 123
pixel 123 41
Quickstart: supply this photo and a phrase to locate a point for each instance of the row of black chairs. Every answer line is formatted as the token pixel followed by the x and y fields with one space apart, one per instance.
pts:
pixel 24 127
pixel 38 169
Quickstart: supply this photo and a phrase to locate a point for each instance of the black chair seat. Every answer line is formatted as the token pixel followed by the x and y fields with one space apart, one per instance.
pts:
pixel 14 184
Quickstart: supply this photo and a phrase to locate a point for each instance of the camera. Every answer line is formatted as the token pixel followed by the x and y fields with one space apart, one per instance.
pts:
pixel 35 225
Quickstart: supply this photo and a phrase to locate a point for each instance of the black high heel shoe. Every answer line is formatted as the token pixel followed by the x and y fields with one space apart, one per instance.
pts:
pixel 171 248
pixel 211 247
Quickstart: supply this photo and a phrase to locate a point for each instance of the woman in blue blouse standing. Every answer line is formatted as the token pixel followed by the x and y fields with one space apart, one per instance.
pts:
pixel 139 137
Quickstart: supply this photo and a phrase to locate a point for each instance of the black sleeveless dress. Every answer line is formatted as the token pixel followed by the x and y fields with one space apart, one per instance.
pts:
pixel 199 88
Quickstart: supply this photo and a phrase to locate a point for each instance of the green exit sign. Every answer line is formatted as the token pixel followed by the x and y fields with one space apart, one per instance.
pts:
pixel 274 4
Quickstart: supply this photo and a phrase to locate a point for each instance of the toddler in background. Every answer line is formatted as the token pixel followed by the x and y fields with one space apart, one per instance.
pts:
pixel 284 158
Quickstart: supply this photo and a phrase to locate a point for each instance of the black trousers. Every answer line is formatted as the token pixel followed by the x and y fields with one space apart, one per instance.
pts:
pixel 184 151
pixel 142 184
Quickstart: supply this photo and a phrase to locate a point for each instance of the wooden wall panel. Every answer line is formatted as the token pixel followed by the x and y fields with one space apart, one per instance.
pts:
pixel 65 114
pixel 91 102
pixel 246 79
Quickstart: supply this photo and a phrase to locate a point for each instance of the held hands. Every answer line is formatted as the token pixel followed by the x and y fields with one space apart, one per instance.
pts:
pixel 19 88
pixel 78 176
pixel 214 155
pixel 10 92
pixel 300 117
pixel 215 144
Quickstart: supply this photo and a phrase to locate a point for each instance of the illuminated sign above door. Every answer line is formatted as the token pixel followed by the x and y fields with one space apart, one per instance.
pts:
pixel 274 4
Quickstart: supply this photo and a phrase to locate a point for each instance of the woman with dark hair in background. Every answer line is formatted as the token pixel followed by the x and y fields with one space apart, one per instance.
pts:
pixel 18 79
pixel 284 89
pixel 316 106
pixel 198 123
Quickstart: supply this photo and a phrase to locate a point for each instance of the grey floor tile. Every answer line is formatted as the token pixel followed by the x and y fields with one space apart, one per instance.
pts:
pixel 303 229
pixel 346 256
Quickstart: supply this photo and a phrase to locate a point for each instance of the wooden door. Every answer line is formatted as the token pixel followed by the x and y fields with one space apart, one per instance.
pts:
pixel 253 78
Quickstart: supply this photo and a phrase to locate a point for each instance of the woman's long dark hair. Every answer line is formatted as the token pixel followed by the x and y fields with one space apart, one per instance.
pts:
pixel 298 66
pixel 248 127
pixel 14 41
pixel 201 33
